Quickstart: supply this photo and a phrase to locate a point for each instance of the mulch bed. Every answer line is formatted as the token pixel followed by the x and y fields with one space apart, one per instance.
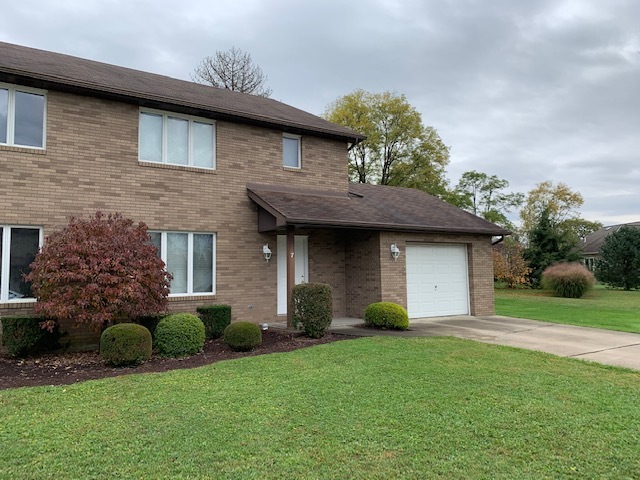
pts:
pixel 67 368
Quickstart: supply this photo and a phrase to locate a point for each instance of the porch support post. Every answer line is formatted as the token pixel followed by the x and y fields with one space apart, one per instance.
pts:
pixel 291 273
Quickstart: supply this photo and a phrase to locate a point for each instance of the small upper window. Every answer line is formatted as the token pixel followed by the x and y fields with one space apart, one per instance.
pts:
pixel 291 150
pixel 176 140
pixel 22 117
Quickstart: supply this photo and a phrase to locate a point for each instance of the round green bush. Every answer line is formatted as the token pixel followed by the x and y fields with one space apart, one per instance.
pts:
pixel 386 315
pixel 569 280
pixel 243 336
pixel 125 344
pixel 179 335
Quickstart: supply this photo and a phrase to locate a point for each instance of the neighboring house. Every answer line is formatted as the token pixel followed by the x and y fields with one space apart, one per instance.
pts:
pixel 593 242
pixel 221 178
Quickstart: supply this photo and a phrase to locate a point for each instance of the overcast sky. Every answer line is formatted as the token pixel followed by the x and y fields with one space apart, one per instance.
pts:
pixel 529 90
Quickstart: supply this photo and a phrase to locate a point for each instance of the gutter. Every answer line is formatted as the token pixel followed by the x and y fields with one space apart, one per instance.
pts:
pixel 499 240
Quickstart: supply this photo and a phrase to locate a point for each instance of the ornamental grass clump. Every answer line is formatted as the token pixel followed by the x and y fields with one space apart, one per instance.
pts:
pixel 243 336
pixel 386 315
pixel 569 280
pixel 125 344
pixel 179 335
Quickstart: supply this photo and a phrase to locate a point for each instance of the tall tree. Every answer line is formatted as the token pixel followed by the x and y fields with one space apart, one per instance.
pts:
pixel 484 195
pixel 399 149
pixel 620 263
pixel 548 244
pixel 234 70
pixel 560 202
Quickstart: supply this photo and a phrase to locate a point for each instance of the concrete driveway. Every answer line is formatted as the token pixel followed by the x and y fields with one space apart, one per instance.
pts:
pixel 603 346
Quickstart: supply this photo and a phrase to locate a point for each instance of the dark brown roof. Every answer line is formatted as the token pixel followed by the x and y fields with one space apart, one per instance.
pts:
pixel 593 242
pixel 365 206
pixel 39 68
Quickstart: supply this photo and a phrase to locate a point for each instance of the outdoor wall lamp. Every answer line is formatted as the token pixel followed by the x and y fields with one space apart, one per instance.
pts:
pixel 395 251
pixel 266 251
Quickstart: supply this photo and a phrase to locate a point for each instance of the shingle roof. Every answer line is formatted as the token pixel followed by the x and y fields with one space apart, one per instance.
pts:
pixel 377 207
pixel 593 242
pixel 57 71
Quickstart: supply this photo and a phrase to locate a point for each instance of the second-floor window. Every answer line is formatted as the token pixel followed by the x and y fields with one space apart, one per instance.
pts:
pixel 291 151
pixel 176 139
pixel 22 116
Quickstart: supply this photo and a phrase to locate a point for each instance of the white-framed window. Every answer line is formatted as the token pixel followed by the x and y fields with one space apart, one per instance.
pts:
pixel 18 248
pixel 22 116
pixel 173 139
pixel 291 151
pixel 190 258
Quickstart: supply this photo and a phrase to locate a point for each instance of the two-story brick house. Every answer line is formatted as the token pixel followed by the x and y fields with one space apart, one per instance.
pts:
pixel 221 178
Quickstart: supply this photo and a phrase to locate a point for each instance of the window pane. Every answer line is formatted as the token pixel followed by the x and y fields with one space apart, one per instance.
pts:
pixel 24 246
pixel 202 263
pixel 177 261
pixel 156 241
pixel 178 141
pixel 4 111
pixel 150 137
pixel 29 119
pixel 202 145
pixel 290 151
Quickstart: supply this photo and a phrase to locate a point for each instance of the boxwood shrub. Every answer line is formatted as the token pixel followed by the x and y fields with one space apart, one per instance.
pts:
pixel 125 344
pixel 312 308
pixel 386 315
pixel 179 335
pixel 243 336
pixel 215 318
pixel 22 335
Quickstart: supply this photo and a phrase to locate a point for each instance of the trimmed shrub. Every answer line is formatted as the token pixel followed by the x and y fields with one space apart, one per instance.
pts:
pixel 386 315
pixel 243 336
pixel 24 335
pixel 312 308
pixel 570 280
pixel 179 335
pixel 215 318
pixel 125 344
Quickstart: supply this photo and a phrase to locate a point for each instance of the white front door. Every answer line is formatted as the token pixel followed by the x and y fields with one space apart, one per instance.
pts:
pixel 437 280
pixel 302 267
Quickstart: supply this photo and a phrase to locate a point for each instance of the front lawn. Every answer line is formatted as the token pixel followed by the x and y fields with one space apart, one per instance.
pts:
pixel 370 408
pixel 600 308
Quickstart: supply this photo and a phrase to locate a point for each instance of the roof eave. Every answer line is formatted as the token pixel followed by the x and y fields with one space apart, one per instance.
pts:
pixel 49 82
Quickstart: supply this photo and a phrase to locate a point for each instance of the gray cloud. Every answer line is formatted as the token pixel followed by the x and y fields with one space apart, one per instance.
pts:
pixel 530 91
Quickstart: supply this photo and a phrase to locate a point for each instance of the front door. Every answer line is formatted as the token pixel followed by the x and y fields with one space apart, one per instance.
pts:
pixel 302 267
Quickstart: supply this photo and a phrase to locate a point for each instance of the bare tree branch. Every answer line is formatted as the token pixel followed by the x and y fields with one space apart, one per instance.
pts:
pixel 233 70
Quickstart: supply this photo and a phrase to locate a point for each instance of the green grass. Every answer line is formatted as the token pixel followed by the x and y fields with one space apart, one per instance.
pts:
pixel 599 308
pixel 365 409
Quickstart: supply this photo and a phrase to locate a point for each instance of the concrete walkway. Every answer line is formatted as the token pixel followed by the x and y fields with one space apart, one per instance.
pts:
pixel 603 346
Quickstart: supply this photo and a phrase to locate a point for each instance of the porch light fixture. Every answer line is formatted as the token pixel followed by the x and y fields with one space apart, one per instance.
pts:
pixel 266 251
pixel 395 251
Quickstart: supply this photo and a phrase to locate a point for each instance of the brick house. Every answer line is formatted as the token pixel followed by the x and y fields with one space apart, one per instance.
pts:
pixel 221 178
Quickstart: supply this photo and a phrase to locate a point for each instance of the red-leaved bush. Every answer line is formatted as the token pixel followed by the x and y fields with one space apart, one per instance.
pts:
pixel 570 280
pixel 99 271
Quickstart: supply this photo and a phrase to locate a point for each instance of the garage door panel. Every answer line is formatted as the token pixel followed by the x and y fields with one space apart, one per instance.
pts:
pixel 437 280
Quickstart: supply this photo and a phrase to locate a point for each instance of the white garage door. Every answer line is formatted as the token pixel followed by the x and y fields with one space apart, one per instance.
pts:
pixel 437 280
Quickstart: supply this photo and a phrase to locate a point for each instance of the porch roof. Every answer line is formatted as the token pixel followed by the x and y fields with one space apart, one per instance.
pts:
pixel 372 207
